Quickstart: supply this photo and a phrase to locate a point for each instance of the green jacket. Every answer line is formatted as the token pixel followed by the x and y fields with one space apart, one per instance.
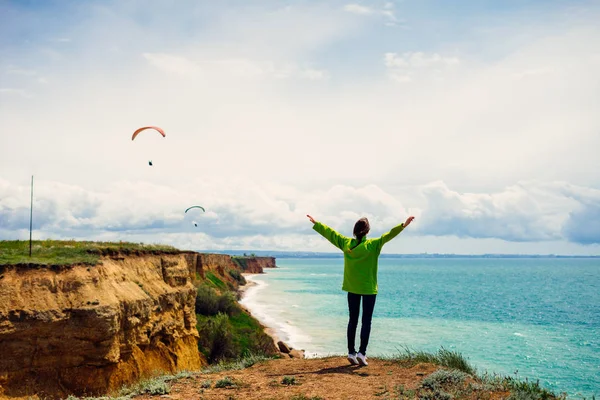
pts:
pixel 360 262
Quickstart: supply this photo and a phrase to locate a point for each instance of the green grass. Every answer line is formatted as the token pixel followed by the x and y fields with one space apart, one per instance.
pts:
pixel 158 385
pixel 243 325
pixel 70 252
pixel 225 382
pixel 289 380
pixel 241 363
pixel 242 262
pixel 436 385
pixel 206 384
pixel 215 280
pixel 520 389
pixel 443 357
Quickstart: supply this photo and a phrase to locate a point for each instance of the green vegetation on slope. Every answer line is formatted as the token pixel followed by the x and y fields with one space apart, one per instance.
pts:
pixel 242 262
pixel 226 331
pixel 215 280
pixel 70 252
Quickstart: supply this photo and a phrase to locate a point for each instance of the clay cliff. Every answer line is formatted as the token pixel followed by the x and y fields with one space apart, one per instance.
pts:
pixel 88 330
pixel 219 263
pixel 256 265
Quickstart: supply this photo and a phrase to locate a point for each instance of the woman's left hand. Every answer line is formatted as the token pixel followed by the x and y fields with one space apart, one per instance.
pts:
pixel 311 219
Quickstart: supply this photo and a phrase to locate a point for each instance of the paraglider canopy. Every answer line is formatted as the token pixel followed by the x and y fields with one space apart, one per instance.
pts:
pixel 200 207
pixel 189 208
pixel 156 128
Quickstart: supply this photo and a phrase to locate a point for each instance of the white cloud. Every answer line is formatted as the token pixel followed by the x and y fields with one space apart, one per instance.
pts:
pixel 20 71
pixel 173 64
pixel 533 72
pixel 411 66
pixel 248 212
pixel 387 12
pixel 524 212
pixel 358 9
pixel 418 60
pixel 16 92
pixel 314 74
pixel 244 68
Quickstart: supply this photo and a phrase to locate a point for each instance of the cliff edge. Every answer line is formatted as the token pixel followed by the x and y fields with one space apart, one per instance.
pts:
pixel 86 318
pixel 90 329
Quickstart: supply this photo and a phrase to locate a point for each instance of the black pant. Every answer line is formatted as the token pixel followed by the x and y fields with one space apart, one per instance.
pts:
pixel 365 329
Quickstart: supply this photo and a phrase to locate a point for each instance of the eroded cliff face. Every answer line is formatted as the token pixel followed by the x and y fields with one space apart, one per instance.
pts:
pixel 88 330
pixel 220 263
pixel 257 264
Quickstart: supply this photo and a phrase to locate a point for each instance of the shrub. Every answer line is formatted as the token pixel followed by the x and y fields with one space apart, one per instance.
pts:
pixel 288 380
pixel 403 393
pixel 442 378
pixel 206 384
pixel 526 390
pixel 241 262
pixel 207 301
pixel 210 302
pixel 227 303
pixel 225 382
pixel 157 386
pixel 436 395
pixel 520 390
pixel 239 278
pixel 216 338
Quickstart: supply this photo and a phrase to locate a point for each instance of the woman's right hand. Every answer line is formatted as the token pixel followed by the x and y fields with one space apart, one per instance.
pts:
pixel 311 219
pixel 408 221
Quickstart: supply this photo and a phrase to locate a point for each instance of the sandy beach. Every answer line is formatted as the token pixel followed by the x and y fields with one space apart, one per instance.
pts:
pixel 242 290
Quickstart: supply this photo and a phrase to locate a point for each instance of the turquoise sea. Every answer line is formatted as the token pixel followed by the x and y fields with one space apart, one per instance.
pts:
pixel 537 318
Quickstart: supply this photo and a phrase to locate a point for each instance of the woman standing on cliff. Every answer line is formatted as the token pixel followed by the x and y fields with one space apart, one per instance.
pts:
pixel 360 277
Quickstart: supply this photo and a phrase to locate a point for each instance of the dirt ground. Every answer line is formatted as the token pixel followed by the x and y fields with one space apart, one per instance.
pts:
pixel 325 378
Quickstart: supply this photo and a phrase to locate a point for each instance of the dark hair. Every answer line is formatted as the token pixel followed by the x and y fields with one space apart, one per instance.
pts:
pixel 361 228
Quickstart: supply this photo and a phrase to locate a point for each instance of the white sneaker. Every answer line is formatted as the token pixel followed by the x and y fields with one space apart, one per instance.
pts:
pixel 352 359
pixel 362 359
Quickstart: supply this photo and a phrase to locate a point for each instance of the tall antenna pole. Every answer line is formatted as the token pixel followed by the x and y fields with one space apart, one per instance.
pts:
pixel 31 216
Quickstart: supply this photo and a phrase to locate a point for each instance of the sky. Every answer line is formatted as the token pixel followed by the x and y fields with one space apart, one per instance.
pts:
pixel 480 118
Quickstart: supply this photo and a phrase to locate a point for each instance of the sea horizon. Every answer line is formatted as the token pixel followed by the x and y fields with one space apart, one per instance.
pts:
pixel 311 254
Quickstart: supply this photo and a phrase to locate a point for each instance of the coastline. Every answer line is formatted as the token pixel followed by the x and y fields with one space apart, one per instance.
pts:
pixel 243 291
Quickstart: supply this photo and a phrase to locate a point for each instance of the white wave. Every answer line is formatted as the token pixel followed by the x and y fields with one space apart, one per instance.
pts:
pixel 268 312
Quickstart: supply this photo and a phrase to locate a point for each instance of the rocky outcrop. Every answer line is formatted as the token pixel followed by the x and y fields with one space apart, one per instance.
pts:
pixel 87 330
pixel 287 351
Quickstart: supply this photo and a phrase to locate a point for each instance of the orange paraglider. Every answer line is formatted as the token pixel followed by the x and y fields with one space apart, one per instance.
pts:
pixel 156 128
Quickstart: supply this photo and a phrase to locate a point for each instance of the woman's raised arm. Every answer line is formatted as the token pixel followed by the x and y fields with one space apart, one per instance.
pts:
pixel 335 238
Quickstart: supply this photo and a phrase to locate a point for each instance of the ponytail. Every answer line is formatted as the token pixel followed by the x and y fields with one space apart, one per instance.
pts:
pixel 361 228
